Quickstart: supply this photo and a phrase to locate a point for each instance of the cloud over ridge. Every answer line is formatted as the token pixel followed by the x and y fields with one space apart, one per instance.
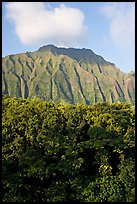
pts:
pixel 36 22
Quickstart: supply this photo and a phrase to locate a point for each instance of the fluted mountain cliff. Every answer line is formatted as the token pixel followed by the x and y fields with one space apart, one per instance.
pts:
pixel 66 74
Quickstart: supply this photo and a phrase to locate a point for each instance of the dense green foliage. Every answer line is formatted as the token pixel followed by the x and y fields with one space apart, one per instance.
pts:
pixel 70 75
pixel 61 152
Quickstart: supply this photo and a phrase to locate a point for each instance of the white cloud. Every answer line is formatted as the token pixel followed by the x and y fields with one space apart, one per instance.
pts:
pixel 122 22
pixel 38 22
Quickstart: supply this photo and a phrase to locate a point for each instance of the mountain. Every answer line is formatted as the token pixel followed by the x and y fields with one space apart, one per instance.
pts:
pixel 66 74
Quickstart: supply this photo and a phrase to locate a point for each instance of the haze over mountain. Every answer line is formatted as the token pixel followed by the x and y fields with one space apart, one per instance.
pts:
pixel 66 74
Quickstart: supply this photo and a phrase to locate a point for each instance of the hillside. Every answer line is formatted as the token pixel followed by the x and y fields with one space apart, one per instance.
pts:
pixel 69 75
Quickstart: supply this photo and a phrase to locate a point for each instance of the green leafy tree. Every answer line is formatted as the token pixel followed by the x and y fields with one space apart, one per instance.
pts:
pixel 61 152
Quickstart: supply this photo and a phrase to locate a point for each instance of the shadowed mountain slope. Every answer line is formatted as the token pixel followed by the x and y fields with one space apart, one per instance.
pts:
pixel 66 74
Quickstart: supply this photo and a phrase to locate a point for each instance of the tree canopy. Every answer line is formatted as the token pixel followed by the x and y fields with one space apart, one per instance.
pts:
pixel 61 152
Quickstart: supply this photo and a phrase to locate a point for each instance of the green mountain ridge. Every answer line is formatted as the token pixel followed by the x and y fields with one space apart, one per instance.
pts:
pixel 66 74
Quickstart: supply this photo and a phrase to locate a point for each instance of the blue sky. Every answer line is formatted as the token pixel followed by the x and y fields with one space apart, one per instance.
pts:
pixel 107 28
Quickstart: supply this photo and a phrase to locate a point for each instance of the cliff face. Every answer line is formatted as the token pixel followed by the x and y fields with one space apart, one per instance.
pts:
pixel 69 75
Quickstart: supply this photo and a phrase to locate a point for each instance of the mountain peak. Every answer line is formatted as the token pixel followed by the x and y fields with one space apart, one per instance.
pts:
pixel 49 47
pixel 78 54
pixel 77 76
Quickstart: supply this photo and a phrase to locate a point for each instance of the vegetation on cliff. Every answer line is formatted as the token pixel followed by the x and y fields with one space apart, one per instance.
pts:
pixel 69 75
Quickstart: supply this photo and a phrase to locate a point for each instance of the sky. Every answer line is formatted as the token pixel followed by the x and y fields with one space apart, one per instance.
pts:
pixel 107 28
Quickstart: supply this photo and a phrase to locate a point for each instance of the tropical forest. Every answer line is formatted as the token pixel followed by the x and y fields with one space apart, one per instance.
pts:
pixel 68 114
